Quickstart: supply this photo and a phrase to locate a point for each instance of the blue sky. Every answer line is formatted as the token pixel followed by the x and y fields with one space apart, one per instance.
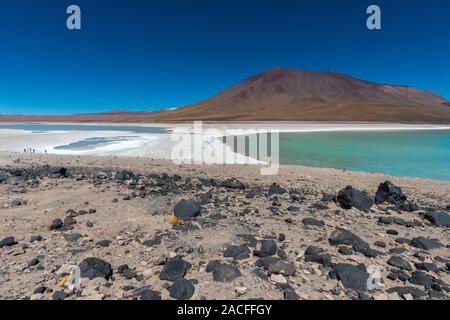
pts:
pixel 144 55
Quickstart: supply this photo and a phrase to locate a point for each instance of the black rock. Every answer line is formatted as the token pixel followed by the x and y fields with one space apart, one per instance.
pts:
pixel 386 220
pixel 33 262
pixel 281 237
pixel 399 262
pixel 439 218
pixel 397 250
pixel 223 272
pixel 174 269
pixel 276 189
pixel 8 242
pixel 343 236
pixel 293 209
pixel 323 259
pixel 104 243
pixel 282 267
pixel 424 266
pixel 266 262
pixel 69 221
pixel 265 248
pixel 122 268
pixel 392 232
pixel 92 268
pixel 352 277
pixel 425 244
pixel 313 250
pixel 403 240
pixel 350 197
pixel 312 222
pixel 390 193
pixel 288 292
pixel 153 242
pixel 56 224
pixel 36 238
pixel 39 290
pixel 234 183
pixel 124 175
pixel 328 197
pixel 238 252
pixel 345 251
pixel 187 209
pixel 260 274
pixel 72 237
pixel 59 295
pixel 182 289
pixel 129 274
pixel 414 292
pixel 421 278
pixel 380 244
pixel 249 239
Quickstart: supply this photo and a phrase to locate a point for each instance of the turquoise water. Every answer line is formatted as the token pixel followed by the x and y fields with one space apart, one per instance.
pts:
pixel 424 154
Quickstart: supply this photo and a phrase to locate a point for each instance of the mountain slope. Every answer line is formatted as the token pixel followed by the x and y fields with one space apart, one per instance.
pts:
pixel 283 94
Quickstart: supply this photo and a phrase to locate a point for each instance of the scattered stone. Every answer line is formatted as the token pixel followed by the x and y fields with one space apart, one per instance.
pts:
pixel 59 295
pixel 223 272
pixel 323 259
pixel 380 244
pixel 40 290
pixel 238 252
pixel 186 209
pixel 56 224
pixel 352 277
pixel 313 250
pixel 275 189
pixel 439 218
pixel 390 193
pixel 265 248
pixel 350 197
pixel 312 222
pixel 8 242
pixel 422 279
pixel 174 269
pixel 146 293
pixel 282 267
pixel 104 243
pixel 234 183
pixel 328 197
pixel 293 209
pixel 92 268
pixel 425 244
pixel 36 238
pixel 33 262
pixel 343 236
pixel 345 251
pixel 399 262
pixel 182 289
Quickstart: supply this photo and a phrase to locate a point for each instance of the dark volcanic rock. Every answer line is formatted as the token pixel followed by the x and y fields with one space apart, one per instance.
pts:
pixel 182 289
pixel 328 197
pixel 238 252
pixel 265 248
pixel 69 221
pixel 312 222
pixel 223 272
pixel 187 209
pixel 92 268
pixel 174 269
pixel 390 193
pixel 8 242
pixel 400 263
pixel 59 295
pixel 282 267
pixel 425 244
pixel 36 238
pixel 234 183
pixel 276 189
pixel 350 197
pixel 293 209
pixel 313 250
pixel 288 292
pixel 439 218
pixel 427 267
pixel 343 236
pixel 104 243
pixel 323 259
pixel 421 278
pixel 352 277
pixel 266 262
pixel 345 251
pixel 56 224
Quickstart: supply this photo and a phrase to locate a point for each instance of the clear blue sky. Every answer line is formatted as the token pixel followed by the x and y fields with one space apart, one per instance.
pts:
pixel 143 55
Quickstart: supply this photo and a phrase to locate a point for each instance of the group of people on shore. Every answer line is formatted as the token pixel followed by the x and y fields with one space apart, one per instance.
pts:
pixel 30 150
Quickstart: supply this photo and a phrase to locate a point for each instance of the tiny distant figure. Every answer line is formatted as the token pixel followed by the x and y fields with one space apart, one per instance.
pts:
pixel 25 150
pixel 34 151
pixel 45 151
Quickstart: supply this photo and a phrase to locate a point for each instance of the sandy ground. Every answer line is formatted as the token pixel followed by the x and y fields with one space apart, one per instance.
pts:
pixel 129 223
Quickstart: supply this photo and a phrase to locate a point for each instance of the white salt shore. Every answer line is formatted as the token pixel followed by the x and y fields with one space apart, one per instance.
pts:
pixel 160 146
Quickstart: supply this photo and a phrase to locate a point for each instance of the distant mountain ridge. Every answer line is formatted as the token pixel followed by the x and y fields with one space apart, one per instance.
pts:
pixel 294 95
pixel 284 94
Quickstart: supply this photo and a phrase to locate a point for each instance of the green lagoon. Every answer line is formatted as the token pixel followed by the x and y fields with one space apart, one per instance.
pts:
pixel 424 153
